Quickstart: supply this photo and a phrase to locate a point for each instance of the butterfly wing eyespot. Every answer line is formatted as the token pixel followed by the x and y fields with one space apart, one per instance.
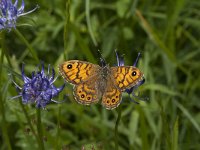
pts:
pixel 134 73
pixel 75 71
pixel 87 93
pixel 112 96
pixel 69 66
pixel 126 76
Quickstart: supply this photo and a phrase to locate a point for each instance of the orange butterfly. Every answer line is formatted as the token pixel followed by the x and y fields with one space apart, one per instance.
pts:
pixel 91 81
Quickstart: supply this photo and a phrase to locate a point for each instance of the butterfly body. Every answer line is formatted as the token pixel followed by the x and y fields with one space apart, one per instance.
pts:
pixel 92 82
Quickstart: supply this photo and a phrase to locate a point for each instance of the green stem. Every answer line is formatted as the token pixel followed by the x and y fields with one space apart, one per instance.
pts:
pixel 39 129
pixel 58 129
pixel 4 124
pixel 29 121
pixel 2 109
pixel 30 48
pixel 116 127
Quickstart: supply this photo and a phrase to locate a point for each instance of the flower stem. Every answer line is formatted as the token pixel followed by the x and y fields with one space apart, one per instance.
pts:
pixel 29 121
pixel 4 123
pixel 116 127
pixel 39 129
pixel 58 128
pixel 2 109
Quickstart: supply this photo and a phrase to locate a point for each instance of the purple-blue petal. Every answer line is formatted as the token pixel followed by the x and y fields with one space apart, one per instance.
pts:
pixel 42 70
pixel 45 84
pixel 12 12
pixel 120 60
pixel 28 94
pixel 21 9
pixel 33 74
pixel 51 79
pixel 2 21
pixel 36 82
pixel 24 77
pixel 16 3
pixel 43 99
pixel 1 27
pixel 56 91
pixel 47 95
pixel 4 9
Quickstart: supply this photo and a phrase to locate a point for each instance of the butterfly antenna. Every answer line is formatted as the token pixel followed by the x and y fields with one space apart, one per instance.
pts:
pixel 102 59
pixel 136 61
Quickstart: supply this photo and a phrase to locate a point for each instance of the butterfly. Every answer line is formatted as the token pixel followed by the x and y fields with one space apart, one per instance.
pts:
pixel 92 82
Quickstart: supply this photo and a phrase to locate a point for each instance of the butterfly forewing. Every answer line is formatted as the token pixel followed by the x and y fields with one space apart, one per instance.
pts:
pixel 125 77
pixel 76 72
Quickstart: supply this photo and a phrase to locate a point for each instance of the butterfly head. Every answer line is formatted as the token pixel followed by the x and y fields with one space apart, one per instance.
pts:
pixel 103 62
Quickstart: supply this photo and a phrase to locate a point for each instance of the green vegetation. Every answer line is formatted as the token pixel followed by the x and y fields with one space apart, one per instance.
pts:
pixel 167 33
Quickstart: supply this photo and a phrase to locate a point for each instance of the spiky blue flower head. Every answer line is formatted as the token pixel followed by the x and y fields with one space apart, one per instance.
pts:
pixel 38 89
pixel 9 13
pixel 120 62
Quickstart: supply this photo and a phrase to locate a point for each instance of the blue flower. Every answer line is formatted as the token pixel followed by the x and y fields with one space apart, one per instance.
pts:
pixel 39 88
pixel 120 62
pixel 9 13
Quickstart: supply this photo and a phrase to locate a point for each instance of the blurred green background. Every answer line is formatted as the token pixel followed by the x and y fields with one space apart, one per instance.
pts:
pixel 167 33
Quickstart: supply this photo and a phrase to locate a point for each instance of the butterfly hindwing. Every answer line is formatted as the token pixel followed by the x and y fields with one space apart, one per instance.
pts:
pixel 112 95
pixel 87 92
